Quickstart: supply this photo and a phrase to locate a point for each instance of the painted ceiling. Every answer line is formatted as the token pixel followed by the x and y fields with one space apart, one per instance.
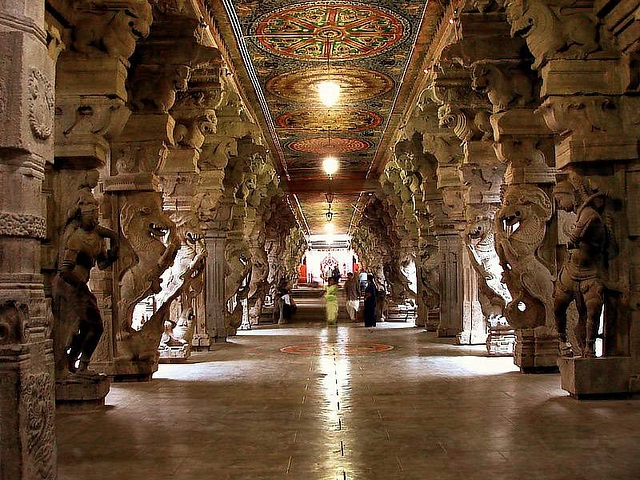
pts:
pixel 290 47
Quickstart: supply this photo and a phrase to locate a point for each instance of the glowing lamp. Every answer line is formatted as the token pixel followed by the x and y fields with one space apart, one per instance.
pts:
pixel 330 165
pixel 329 92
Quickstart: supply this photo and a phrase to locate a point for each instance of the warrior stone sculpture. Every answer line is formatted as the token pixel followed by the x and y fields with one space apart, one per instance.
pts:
pixel 580 277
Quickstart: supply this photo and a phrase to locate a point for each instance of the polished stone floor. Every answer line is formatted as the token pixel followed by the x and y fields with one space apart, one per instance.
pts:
pixel 340 403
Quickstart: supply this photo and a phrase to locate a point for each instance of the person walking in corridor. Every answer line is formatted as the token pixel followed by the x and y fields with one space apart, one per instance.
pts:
pixel 331 302
pixel 352 292
pixel 370 302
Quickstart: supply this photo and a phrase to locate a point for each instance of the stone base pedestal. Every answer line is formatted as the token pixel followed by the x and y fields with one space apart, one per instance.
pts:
pixel 134 370
pixel 470 337
pixel 595 377
pixel 433 320
pixel 535 351
pixel 82 395
pixel 501 341
pixel 174 354
pixel 444 332
pixel 200 342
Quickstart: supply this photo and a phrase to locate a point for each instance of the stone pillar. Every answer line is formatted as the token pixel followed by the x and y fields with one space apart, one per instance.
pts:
pixel 481 174
pixel 27 103
pixel 215 301
pixel 451 285
pixel 449 229
pixel 216 226
pixel 524 241
pixel 597 153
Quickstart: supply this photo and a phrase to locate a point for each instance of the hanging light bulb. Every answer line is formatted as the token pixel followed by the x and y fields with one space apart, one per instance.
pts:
pixel 329 92
pixel 330 166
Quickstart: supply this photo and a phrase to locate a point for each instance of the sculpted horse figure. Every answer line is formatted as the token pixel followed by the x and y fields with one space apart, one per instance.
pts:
pixel 521 224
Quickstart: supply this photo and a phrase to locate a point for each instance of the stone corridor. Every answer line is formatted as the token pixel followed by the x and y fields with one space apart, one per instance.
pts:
pixel 345 406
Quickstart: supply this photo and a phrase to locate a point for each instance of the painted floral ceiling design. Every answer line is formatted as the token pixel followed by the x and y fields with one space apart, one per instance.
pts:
pixel 290 47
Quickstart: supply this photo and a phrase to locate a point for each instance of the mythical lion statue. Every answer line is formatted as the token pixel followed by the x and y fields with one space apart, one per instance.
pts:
pixel 480 242
pixel 553 29
pixel 112 28
pixel 153 242
pixel 155 89
pixel 521 224
pixel 506 86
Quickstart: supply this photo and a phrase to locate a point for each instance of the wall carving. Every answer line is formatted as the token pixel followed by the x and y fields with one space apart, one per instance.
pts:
pixel 41 104
pixel 38 394
pixel 12 317
pixel 22 225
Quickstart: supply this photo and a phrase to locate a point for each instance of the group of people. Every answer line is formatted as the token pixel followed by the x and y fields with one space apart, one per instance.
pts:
pixel 352 292
pixel 286 306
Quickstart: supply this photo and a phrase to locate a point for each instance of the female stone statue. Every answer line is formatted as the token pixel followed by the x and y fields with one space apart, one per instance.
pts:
pixel 78 321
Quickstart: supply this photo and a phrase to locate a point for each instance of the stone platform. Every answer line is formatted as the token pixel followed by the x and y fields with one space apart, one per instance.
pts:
pixel 82 394
pixel 595 377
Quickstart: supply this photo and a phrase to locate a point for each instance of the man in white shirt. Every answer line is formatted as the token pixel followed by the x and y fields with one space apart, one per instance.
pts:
pixel 352 291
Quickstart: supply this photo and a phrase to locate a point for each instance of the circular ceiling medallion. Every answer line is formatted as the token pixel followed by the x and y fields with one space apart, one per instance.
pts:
pixel 329 30
pixel 356 84
pixel 324 146
pixel 339 120
pixel 337 348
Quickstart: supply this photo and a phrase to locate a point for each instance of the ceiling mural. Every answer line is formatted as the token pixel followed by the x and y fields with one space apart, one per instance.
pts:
pixel 321 31
pixel 292 47
pixel 341 120
pixel 329 146
pixel 357 84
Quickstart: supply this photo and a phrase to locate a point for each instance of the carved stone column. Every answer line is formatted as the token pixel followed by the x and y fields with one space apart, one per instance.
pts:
pixel 209 190
pixel 597 151
pixel 481 174
pixel 525 146
pixel 90 111
pixel 445 206
pixel 136 206
pixel 525 244
pixel 215 237
pixel 181 175
pixel 27 103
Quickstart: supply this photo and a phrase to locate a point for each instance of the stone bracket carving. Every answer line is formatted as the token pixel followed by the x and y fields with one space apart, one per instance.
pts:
pixel 555 29
pixel 506 85
pixel 110 27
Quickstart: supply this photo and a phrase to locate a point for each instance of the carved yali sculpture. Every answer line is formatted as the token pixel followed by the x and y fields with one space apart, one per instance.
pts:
pixel 521 224
pixel 429 276
pixel 480 241
pixel 580 278
pixel 78 321
pixel 153 241
pixel 176 338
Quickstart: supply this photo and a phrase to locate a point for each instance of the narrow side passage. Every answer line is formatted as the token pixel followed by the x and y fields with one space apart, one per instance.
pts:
pixel 345 406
